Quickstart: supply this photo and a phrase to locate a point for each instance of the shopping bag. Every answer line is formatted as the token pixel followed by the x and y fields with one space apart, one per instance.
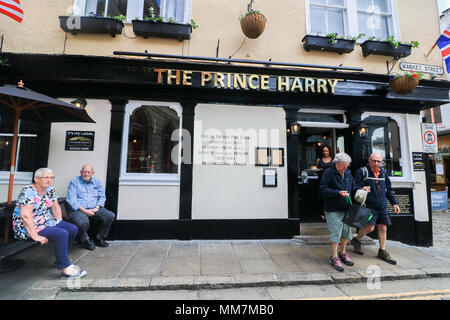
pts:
pixel 357 215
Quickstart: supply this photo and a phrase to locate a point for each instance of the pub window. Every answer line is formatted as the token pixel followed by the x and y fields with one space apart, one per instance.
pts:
pixel 374 18
pixel 178 10
pixel 26 145
pixel 382 136
pixel 327 16
pixel 150 145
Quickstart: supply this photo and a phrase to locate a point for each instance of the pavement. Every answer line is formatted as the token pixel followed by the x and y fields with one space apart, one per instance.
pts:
pixel 212 264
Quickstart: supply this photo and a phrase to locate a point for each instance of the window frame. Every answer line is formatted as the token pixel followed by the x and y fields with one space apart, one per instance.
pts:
pixel 20 177
pixel 344 8
pixel 351 19
pixel 139 179
pixel 134 6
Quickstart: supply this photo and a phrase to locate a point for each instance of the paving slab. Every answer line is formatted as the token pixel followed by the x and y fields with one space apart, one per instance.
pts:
pixel 144 265
pixel 182 266
pixel 102 267
pixel 248 250
pixel 214 264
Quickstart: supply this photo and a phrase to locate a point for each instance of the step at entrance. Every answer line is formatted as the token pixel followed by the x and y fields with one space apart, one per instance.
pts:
pixel 318 234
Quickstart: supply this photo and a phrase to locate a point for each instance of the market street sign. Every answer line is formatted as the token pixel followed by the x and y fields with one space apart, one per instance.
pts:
pixel 429 138
pixel 425 68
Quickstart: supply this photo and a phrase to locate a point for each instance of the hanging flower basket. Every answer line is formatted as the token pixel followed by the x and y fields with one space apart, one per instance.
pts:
pixel 405 84
pixel 253 24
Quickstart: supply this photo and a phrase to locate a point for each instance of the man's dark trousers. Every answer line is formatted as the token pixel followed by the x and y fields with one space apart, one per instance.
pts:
pixel 81 220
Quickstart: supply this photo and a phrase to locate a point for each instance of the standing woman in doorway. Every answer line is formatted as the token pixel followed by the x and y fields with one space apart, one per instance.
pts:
pixel 324 162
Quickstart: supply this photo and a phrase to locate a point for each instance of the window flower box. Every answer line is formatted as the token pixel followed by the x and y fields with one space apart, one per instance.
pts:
pixel 385 48
pixel 322 43
pixel 162 29
pixel 91 24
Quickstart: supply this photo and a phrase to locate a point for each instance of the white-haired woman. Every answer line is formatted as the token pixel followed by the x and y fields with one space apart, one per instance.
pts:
pixel 38 216
pixel 337 184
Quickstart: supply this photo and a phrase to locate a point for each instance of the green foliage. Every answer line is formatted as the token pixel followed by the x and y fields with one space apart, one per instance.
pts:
pixel 249 12
pixel 193 24
pixel 120 17
pixel 4 62
pixel 410 75
pixel 152 16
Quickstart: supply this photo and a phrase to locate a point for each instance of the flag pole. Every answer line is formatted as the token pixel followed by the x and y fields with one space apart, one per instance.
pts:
pixel 426 56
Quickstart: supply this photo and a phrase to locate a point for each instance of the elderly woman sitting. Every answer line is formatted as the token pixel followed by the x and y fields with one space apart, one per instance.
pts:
pixel 337 184
pixel 38 216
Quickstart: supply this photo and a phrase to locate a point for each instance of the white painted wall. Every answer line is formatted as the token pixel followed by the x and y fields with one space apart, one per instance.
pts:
pixel 237 192
pixel 148 202
pixel 67 164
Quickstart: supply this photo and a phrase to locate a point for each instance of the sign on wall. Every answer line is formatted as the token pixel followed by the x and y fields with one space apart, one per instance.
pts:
pixel 405 201
pixel 80 140
pixel 429 138
pixel 418 161
pixel 425 68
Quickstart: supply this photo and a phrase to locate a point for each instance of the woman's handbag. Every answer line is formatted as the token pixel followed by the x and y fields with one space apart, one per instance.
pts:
pixel 357 215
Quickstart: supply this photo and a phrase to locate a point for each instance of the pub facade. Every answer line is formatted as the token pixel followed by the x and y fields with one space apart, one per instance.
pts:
pixel 215 136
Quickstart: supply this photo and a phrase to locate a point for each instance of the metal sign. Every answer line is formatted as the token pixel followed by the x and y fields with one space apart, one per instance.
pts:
pixel 80 140
pixel 425 68
pixel 429 138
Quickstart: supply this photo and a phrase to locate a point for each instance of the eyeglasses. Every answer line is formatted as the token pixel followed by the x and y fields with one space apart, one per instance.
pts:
pixel 51 178
pixel 377 161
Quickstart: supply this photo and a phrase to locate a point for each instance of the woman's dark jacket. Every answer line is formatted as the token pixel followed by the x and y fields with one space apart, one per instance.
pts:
pixel 332 182
pixel 377 197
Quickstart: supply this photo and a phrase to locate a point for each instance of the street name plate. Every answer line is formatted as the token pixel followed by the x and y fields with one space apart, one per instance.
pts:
pixel 425 68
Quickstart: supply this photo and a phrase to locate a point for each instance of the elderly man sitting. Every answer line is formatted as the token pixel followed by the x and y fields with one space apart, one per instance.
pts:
pixel 86 196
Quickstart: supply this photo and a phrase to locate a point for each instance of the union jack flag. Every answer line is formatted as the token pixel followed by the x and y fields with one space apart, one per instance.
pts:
pixel 12 9
pixel 443 42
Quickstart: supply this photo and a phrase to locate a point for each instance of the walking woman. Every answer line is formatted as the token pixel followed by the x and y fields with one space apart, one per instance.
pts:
pixel 337 184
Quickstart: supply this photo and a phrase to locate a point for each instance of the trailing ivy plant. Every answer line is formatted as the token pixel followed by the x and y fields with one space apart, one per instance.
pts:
pixel 333 37
pixel 395 43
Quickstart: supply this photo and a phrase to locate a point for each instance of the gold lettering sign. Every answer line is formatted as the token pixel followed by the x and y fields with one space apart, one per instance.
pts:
pixel 242 81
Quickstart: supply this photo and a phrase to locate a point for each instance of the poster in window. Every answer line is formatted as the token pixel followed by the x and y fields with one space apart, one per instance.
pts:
pixel 80 140
pixel 277 157
pixel 262 156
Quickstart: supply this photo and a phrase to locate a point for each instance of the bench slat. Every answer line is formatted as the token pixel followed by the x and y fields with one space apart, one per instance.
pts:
pixel 16 246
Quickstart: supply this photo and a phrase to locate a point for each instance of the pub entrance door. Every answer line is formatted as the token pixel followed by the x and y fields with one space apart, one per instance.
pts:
pixel 311 142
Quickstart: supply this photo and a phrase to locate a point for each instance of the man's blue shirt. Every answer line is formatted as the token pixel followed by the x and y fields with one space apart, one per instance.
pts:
pixel 85 194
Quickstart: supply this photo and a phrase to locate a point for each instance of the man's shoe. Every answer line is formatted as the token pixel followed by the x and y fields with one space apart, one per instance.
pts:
pixel 336 263
pixel 345 259
pixel 88 244
pixel 384 255
pixel 356 246
pixel 101 243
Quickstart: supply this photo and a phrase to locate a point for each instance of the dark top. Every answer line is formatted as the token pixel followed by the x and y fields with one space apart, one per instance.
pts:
pixel 332 182
pixel 378 195
pixel 325 165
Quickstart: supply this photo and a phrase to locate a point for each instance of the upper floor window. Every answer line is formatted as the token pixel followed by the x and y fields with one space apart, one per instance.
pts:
pixel 178 10
pixel 375 18
pixel 327 16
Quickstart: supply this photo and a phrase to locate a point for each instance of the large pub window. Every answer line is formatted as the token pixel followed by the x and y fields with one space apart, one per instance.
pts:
pixel 26 145
pixel 150 147
pixel 381 135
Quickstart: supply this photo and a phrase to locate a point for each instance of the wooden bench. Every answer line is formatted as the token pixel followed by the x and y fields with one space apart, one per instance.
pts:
pixel 14 246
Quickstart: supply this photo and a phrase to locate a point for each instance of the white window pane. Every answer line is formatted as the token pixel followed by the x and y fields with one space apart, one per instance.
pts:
pixel 117 8
pixel 363 25
pixel 319 1
pixel 364 4
pixel 336 3
pixel 336 21
pixel 381 27
pixel 318 23
pixel 381 5
pixel 174 9
pixel 95 6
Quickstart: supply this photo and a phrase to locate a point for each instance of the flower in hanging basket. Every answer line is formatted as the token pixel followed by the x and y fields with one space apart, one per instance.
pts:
pixel 253 23
pixel 405 83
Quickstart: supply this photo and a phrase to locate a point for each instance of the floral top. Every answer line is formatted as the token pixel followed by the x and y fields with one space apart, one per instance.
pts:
pixel 41 210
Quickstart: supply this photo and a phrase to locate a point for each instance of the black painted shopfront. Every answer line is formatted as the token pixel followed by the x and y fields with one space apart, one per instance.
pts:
pixel 120 80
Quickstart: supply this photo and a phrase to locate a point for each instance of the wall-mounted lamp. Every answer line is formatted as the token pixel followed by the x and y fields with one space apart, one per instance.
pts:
pixel 80 103
pixel 363 130
pixel 295 128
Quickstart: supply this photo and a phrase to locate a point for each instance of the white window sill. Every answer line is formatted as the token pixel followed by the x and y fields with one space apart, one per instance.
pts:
pixel 150 180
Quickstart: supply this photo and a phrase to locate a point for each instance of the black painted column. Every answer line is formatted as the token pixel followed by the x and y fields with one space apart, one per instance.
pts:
pixel 353 140
pixel 424 230
pixel 187 158
pixel 114 154
pixel 292 164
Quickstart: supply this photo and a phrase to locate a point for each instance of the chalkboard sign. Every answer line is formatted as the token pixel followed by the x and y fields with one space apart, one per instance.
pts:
pixel 418 161
pixel 80 140
pixel 405 201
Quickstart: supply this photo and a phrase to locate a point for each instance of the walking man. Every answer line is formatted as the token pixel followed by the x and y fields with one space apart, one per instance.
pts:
pixel 86 197
pixel 375 177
